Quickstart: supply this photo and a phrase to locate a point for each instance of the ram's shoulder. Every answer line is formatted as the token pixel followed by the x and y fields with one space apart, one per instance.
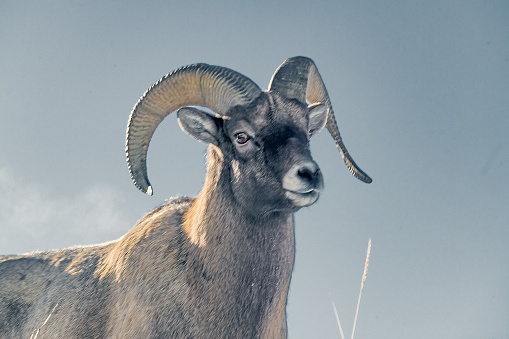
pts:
pixel 168 213
pixel 178 204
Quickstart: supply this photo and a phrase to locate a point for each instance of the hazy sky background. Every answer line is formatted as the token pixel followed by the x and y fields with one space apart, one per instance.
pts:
pixel 421 94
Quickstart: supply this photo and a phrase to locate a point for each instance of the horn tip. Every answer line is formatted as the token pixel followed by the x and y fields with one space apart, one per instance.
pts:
pixel 149 191
pixel 368 180
pixel 362 176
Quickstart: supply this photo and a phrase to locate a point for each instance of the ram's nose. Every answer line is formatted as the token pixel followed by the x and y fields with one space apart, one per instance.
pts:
pixel 303 183
pixel 309 174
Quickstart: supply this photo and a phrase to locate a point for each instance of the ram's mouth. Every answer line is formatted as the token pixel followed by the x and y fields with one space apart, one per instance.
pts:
pixel 303 198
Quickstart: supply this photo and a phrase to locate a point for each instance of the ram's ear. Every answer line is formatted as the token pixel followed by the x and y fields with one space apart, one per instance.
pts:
pixel 199 124
pixel 317 118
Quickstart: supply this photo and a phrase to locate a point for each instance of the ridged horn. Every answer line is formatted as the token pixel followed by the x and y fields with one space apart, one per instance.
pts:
pixel 298 78
pixel 215 87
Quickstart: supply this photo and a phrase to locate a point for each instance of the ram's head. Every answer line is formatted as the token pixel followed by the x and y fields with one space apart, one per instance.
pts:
pixel 262 136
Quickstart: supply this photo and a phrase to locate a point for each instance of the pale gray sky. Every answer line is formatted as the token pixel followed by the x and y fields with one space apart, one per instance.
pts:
pixel 421 93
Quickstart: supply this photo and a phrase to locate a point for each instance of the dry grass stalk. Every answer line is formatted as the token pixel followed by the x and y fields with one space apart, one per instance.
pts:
pixel 339 323
pixel 35 333
pixel 360 294
pixel 362 286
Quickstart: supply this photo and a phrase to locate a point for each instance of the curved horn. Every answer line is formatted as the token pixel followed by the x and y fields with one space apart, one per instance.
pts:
pixel 297 78
pixel 215 87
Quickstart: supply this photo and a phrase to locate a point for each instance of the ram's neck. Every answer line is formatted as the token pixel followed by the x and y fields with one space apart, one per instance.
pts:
pixel 239 267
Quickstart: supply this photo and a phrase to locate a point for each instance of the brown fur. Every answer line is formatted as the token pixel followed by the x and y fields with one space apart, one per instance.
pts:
pixel 218 266
pixel 228 281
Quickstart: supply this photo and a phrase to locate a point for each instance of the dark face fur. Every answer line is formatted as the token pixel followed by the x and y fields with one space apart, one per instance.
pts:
pixel 266 151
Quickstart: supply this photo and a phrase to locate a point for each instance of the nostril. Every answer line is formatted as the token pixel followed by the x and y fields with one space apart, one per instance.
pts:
pixel 306 173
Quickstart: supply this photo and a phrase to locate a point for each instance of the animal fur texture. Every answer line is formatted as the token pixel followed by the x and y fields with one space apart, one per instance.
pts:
pixel 215 266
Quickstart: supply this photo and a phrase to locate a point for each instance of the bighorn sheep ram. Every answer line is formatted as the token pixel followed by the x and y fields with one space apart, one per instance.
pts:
pixel 217 266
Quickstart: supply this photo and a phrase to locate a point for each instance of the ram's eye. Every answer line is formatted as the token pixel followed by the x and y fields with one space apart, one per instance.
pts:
pixel 241 138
